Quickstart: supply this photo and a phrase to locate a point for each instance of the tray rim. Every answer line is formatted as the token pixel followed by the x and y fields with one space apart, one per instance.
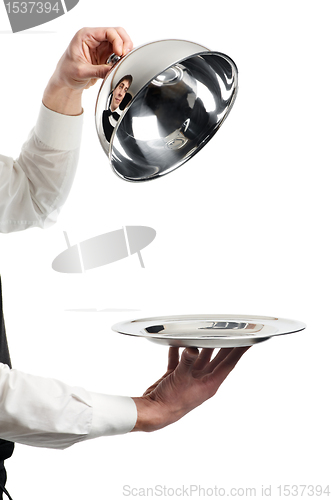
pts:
pixel 119 327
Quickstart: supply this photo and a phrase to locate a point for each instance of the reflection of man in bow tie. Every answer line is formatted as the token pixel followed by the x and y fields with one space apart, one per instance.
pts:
pixel 118 101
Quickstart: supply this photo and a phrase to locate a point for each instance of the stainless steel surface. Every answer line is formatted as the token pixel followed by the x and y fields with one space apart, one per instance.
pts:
pixel 181 93
pixel 209 330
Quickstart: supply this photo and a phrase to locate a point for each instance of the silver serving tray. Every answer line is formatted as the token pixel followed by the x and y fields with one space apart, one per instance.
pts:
pixel 205 330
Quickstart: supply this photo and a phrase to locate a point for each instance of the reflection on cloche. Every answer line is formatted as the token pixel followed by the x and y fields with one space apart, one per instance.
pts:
pixel 175 96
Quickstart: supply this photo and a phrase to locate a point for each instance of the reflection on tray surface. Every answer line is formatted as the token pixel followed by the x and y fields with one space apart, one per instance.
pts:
pixel 230 325
pixel 155 329
pixel 220 329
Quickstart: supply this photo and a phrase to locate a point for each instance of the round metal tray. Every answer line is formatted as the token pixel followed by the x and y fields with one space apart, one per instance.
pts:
pixel 218 330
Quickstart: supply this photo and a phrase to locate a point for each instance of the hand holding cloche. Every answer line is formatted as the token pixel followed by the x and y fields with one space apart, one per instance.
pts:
pixel 81 65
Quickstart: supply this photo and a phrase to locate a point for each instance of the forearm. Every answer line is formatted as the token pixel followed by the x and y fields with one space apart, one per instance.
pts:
pixel 149 416
pixel 153 414
pixel 63 99
pixel 62 95
pixel 45 412
pixel 34 187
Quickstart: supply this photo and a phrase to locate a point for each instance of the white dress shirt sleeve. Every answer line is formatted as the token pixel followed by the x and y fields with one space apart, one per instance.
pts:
pixel 45 412
pixel 34 410
pixel 35 186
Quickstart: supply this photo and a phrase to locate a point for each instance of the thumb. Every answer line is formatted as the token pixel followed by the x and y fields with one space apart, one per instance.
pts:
pixel 101 70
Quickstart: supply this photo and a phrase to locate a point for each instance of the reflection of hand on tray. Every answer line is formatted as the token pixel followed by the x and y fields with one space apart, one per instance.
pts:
pixel 187 383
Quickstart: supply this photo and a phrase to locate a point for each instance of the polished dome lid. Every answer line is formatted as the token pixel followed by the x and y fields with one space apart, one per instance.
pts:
pixel 160 104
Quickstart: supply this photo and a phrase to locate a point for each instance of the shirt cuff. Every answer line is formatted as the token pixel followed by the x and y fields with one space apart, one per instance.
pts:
pixel 62 132
pixel 112 415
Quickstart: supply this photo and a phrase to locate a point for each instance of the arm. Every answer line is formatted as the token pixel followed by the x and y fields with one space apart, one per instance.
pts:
pixel 47 413
pixel 34 187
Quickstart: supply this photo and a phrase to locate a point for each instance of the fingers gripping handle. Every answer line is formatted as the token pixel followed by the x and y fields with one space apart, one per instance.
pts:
pixel 113 59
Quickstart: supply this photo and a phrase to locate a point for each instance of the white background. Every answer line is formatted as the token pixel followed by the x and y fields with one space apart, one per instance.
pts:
pixel 244 227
